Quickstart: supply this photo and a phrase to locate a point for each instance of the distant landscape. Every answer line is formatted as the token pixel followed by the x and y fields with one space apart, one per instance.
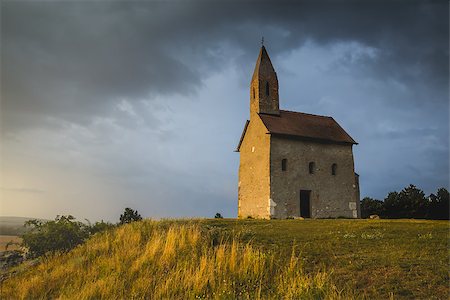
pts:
pixel 13 225
pixel 10 229
pixel 9 242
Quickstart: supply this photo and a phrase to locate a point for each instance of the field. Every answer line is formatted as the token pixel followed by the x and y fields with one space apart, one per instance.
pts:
pixel 227 259
pixel 9 241
pixel 13 225
pixel 405 258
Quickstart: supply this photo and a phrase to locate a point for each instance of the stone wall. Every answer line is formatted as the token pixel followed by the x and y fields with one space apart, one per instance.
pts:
pixel 259 101
pixel 331 195
pixel 254 177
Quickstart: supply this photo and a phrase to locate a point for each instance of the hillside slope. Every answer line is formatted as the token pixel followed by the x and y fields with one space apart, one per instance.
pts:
pixel 287 259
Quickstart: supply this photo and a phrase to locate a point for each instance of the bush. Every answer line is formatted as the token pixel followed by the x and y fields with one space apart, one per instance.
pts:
pixel 100 226
pixel 62 234
pixel 218 216
pixel 129 216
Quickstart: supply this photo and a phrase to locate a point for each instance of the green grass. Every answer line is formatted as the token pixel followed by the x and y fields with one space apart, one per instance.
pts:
pixel 377 258
pixel 248 259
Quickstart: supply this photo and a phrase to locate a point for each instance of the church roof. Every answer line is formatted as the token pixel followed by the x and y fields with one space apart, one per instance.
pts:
pixel 301 125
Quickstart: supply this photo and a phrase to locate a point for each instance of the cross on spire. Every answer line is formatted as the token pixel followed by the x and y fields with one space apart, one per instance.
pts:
pixel 262 41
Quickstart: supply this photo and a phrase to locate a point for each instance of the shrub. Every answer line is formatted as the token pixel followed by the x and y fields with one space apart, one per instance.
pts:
pixel 62 234
pixel 100 226
pixel 129 216
pixel 218 216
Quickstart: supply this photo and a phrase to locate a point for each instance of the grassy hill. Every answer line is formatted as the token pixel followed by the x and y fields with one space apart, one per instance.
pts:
pixel 289 259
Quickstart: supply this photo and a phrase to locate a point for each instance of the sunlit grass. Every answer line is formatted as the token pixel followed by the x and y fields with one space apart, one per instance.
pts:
pixel 171 260
pixel 406 259
pixel 248 259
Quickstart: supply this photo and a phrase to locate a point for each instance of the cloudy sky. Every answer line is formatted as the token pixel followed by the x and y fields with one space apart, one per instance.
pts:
pixel 106 105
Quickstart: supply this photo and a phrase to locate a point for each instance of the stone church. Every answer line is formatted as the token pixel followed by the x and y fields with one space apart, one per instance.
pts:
pixel 292 164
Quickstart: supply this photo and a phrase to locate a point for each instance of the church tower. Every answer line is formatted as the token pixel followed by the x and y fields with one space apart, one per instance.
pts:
pixel 264 87
pixel 292 164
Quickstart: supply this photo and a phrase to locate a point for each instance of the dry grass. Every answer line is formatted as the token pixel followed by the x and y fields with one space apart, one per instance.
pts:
pixel 170 260
pixel 248 259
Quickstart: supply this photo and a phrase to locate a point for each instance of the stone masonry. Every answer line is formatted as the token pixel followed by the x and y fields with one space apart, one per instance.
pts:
pixel 292 164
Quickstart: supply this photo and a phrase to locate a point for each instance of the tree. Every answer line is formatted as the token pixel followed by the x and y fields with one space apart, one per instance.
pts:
pixel 371 206
pixel 129 216
pixel 62 234
pixel 391 205
pixel 218 216
pixel 438 206
pixel 409 203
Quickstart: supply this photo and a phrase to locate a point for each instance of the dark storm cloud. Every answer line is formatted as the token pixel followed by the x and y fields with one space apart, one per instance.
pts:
pixel 118 102
pixel 74 59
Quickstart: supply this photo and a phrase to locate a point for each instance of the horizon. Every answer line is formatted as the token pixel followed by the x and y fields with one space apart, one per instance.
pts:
pixel 113 105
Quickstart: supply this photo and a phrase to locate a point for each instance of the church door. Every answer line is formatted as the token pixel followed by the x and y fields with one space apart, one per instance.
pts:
pixel 305 204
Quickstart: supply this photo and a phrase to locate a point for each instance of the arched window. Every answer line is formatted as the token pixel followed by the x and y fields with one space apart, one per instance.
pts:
pixel 267 88
pixel 284 164
pixel 333 169
pixel 311 166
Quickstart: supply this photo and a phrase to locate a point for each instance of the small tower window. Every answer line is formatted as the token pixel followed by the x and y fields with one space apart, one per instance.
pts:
pixel 333 169
pixel 284 164
pixel 254 93
pixel 311 167
pixel 267 88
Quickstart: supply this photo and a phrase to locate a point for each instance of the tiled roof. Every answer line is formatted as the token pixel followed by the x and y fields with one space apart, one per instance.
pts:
pixel 296 124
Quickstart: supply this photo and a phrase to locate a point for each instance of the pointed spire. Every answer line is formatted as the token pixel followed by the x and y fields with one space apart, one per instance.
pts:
pixel 263 64
pixel 264 86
